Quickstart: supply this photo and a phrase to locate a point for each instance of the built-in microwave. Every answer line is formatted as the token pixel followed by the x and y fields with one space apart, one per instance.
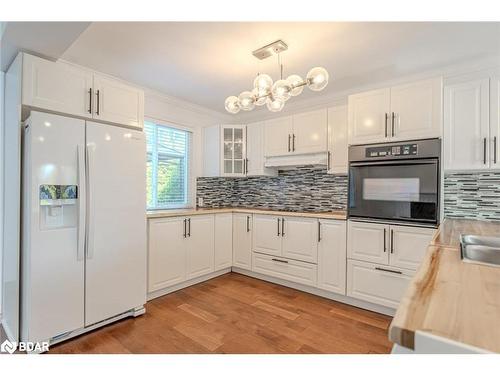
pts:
pixel 395 181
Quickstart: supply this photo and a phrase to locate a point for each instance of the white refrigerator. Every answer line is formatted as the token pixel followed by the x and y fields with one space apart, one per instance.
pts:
pixel 83 259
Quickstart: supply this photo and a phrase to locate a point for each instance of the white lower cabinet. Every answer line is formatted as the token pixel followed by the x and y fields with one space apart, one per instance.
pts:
pixel 267 234
pixel 408 245
pixel 167 253
pixel 200 246
pixel 242 240
pixel 180 248
pixel 368 242
pixel 223 257
pixel 286 269
pixel 300 238
pixel 332 255
pixel 383 285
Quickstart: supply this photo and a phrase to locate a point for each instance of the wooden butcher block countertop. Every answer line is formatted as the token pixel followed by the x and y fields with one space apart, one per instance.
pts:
pixel 337 215
pixel 450 298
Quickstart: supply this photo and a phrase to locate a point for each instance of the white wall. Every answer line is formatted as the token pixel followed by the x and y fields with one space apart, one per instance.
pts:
pixel 2 76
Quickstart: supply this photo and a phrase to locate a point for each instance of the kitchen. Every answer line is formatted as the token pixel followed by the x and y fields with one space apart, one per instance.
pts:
pixel 333 208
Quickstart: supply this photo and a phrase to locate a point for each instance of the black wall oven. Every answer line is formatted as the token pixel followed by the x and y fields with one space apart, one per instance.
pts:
pixel 395 181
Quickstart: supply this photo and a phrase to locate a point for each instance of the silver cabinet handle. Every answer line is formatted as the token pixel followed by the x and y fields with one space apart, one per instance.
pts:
pixel 282 227
pixel 386 119
pixel 279 260
pixel 279 227
pixel 484 150
pixel 319 231
pixel 329 155
pixel 495 149
pixel 246 165
pixel 392 241
pixel 189 227
pixel 293 143
pixel 289 138
pixel 248 224
pixel 184 232
pixel 90 101
pixel 385 245
pixel 392 122
pixel 386 270
pixel 81 203
pixel 97 93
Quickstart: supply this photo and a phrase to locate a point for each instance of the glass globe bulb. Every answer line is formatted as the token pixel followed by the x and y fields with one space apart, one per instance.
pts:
pixel 275 105
pixel 246 100
pixel 263 82
pixel 317 78
pixel 260 96
pixel 295 80
pixel 232 105
pixel 281 90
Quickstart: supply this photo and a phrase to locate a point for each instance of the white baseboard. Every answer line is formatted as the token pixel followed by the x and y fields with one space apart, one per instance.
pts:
pixel 185 284
pixel 319 292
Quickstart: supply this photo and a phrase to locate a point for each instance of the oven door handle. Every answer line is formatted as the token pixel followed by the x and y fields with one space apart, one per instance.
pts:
pixel 392 162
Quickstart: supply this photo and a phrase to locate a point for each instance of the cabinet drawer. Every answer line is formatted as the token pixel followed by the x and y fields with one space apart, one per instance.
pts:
pixel 380 284
pixel 292 270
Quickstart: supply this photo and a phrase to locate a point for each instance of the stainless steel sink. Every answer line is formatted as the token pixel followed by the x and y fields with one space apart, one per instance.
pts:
pixel 480 249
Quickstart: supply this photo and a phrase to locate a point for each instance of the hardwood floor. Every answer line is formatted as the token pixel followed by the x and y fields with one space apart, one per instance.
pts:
pixel 239 314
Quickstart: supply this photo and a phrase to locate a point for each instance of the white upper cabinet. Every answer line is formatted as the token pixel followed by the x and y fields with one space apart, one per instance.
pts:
pixel 337 140
pixel 495 120
pixel 466 130
pixel 368 116
pixel 255 151
pixel 310 132
pixel 278 136
pixel 416 110
pixel 117 102
pixel 57 87
pixel 404 112
pixel 67 89
pixel 233 147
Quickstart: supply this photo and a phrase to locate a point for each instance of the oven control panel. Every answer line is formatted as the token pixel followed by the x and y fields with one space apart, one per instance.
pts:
pixel 399 150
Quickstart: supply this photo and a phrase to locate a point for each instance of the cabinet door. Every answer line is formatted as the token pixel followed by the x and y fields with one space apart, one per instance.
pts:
pixel 255 151
pixel 56 87
pixel 242 241
pixel 337 140
pixel 416 110
pixel 300 239
pixel 277 136
pixel 382 285
pixel 200 246
pixel 408 245
pixel 310 131
pixel 495 120
pixel 267 234
pixel 367 116
pixel 466 125
pixel 118 102
pixel 233 146
pixel 223 241
pixel 368 242
pixel 167 253
pixel 332 249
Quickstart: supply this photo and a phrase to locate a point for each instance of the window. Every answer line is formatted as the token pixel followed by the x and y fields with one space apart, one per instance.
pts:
pixel 167 166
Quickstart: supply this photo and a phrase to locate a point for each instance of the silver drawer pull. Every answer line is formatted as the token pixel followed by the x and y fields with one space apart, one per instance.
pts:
pixel 280 260
pixel 386 270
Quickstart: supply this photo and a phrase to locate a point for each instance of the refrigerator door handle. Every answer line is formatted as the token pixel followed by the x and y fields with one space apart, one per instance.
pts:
pixel 90 203
pixel 81 203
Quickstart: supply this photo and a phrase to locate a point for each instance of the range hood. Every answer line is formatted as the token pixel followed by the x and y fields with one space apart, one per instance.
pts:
pixel 290 161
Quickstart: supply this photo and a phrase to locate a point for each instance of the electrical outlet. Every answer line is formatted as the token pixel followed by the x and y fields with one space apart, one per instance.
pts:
pixel 200 202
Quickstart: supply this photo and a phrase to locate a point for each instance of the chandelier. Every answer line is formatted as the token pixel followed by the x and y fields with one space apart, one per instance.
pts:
pixel 274 95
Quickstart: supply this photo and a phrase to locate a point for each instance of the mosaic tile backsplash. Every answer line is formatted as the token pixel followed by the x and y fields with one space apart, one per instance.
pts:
pixel 472 195
pixel 307 189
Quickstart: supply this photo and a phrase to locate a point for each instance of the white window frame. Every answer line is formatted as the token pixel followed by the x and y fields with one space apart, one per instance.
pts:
pixel 188 189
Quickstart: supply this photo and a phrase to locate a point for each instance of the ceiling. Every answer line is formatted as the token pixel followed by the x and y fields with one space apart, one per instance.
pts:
pixel 203 63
